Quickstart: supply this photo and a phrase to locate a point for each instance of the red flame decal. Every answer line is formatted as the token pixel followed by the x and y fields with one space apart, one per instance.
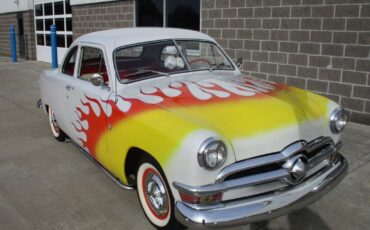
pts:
pixel 97 123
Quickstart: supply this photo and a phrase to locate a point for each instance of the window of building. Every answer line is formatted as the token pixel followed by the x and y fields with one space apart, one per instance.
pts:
pixel 58 13
pixel 150 13
pixel 183 14
pixel 48 8
pixel 59 23
pixel 68 7
pixel 168 13
pixel 58 8
pixel 39 10
pixel 39 24
pixel 40 39
pixel 48 23
pixel 61 41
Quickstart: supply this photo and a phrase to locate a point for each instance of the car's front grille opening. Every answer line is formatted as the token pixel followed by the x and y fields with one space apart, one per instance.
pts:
pixel 254 171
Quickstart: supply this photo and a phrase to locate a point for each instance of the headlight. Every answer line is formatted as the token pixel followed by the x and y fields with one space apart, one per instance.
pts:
pixel 338 120
pixel 212 153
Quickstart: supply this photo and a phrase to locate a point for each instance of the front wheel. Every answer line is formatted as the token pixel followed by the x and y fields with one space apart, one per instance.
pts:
pixel 155 197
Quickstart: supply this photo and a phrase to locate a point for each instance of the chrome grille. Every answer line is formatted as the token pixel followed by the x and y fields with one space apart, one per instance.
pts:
pixel 268 173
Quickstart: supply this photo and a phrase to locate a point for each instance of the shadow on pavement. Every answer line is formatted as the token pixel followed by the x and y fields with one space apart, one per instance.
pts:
pixel 304 219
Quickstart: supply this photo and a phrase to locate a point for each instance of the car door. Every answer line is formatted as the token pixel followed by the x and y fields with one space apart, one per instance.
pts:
pixel 60 87
pixel 88 103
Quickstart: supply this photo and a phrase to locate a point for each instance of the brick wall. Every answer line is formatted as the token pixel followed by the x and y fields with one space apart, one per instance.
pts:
pixel 319 45
pixel 102 16
pixel 29 34
pixel 6 20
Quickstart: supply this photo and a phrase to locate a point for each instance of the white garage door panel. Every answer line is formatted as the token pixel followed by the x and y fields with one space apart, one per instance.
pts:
pixel 44 53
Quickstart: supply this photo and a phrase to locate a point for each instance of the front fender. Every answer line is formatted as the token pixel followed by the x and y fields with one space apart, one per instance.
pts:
pixel 171 140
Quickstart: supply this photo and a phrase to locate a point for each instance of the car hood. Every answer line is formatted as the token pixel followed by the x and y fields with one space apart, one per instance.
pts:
pixel 256 117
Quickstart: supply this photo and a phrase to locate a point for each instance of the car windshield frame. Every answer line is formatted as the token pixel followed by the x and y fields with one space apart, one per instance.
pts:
pixel 188 70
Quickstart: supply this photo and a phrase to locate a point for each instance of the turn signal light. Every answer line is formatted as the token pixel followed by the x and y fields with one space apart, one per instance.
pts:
pixel 201 199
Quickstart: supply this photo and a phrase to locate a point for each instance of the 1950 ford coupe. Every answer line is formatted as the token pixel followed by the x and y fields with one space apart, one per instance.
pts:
pixel 167 112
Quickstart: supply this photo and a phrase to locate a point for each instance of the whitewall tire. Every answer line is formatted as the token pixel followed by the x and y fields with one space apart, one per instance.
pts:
pixel 55 129
pixel 155 197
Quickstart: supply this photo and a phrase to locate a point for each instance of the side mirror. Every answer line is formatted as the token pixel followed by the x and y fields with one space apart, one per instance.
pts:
pixel 239 62
pixel 97 79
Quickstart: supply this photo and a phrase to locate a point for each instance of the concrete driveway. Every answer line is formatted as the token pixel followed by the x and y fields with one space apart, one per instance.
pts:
pixel 45 184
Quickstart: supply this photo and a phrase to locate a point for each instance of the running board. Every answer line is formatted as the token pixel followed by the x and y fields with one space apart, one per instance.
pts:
pixel 101 167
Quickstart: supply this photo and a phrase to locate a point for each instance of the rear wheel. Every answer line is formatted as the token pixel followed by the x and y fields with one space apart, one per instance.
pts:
pixel 55 129
pixel 155 197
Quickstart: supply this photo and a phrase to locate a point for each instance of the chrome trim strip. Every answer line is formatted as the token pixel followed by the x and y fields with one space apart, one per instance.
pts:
pixel 331 150
pixel 232 184
pixel 262 208
pixel 317 143
pixel 248 164
pixel 244 192
pixel 256 179
pixel 101 167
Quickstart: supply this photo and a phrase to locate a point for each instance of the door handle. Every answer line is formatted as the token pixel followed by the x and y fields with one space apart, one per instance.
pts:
pixel 69 87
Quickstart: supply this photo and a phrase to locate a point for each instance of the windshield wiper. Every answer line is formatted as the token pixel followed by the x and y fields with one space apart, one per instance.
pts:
pixel 143 71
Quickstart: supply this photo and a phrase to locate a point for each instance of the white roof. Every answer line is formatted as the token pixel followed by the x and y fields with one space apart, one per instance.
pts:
pixel 126 36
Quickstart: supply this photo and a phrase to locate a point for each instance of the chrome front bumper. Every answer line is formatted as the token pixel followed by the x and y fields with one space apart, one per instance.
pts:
pixel 244 211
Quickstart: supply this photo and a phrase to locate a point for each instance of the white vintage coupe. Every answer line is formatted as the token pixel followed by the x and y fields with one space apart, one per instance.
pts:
pixel 167 112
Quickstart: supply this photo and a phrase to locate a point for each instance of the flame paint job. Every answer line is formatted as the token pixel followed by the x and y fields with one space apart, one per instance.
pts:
pixel 159 118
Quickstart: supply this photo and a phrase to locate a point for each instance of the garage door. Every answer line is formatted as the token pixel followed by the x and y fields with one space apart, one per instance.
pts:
pixel 47 13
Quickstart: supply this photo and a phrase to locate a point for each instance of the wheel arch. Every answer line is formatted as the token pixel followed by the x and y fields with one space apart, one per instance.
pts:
pixel 134 157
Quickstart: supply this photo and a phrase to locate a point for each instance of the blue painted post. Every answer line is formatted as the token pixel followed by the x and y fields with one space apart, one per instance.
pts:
pixel 54 51
pixel 13 44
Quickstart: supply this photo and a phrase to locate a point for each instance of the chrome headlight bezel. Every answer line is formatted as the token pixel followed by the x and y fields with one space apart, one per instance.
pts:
pixel 205 150
pixel 338 120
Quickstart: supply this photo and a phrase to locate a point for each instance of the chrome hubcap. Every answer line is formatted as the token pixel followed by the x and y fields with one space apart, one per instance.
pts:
pixel 156 194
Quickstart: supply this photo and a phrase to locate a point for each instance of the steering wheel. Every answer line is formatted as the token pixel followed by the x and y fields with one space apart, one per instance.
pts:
pixel 201 60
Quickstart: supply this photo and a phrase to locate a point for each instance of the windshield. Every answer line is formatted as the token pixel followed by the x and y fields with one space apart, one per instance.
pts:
pixel 202 55
pixel 150 60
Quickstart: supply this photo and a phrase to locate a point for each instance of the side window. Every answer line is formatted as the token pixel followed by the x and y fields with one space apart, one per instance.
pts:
pixel 92 61
pixel 69 63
